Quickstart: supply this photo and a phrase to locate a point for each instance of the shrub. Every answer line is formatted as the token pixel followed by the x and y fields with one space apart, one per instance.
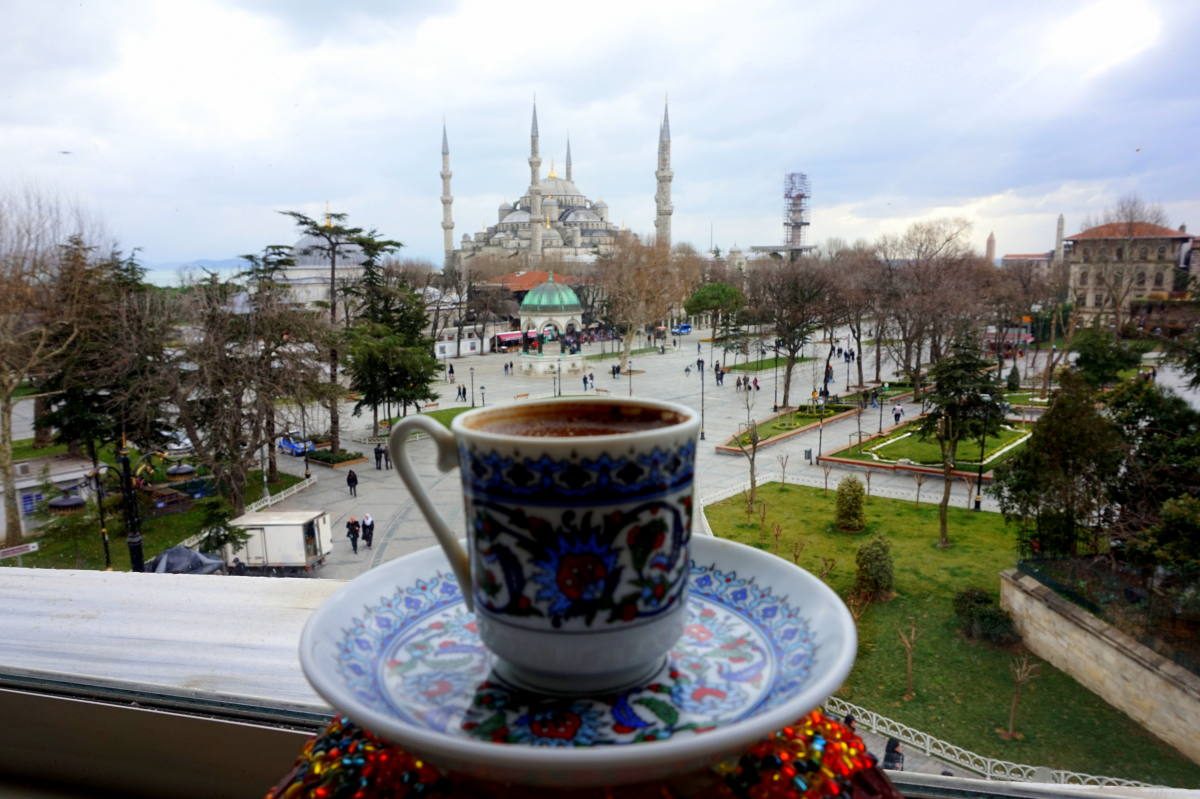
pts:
pixel 1014 379
pixel 979 616
pixel 850 498
pixel 341 456
pixel 875 576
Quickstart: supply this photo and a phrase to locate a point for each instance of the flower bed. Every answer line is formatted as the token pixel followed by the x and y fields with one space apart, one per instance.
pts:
pixel 342 457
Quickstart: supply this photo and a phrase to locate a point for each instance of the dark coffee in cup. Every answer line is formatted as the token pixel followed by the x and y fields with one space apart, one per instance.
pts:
pixel 573 420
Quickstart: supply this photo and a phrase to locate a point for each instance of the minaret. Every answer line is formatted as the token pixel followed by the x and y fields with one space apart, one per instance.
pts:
pixel 535 191
pixel 447 202
pixel 1058 242
pixel 990 253
pixel 569 160
pixel 662 197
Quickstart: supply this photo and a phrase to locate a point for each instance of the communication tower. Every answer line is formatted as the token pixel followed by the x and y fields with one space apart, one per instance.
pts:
pixel 795 219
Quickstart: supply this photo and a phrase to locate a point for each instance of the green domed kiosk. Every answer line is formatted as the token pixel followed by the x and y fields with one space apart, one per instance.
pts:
pixel 551 310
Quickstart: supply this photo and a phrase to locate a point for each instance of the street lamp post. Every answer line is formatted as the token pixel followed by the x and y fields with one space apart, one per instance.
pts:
pixel 629 366
pixel 133 523
pixel 820 427
pixel 472 371
pixel 482 395
pixel 700 371
pixel 558 372
pixel 881 396
pixel 987 415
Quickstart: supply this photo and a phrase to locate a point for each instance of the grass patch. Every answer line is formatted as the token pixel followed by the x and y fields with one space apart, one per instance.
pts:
pixel 604 356
pixel 787 422
pixel 963 688
pixel 158 534
pixel 906 444
pixel 1025 398
pixel 764 364
pixel 24 450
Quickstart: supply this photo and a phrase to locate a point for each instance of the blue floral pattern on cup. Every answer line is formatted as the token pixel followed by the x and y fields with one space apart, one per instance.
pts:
pixel 416 655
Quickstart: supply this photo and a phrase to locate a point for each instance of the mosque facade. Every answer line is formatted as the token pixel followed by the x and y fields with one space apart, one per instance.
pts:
pixel 553 218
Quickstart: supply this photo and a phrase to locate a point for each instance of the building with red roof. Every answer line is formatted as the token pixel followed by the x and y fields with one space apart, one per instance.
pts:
pixel 1114 265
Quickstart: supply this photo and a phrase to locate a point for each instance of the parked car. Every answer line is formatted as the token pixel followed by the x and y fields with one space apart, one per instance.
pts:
pixel 293 443
pixel 179 444
pixel 681 329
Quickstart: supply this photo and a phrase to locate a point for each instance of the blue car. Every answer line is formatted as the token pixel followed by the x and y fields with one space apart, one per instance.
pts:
pixel 291 443
pixel 681 329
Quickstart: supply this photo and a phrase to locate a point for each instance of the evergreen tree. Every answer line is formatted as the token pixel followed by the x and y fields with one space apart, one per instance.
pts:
pixel 964 404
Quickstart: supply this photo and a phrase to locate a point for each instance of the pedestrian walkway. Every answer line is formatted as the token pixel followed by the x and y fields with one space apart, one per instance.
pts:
pixel 400 528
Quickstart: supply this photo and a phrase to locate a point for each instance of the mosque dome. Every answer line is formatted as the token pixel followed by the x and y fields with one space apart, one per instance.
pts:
pixel 516 216
pixel 551 297
pixel 555 186
pixel 309 251
pixel 581 215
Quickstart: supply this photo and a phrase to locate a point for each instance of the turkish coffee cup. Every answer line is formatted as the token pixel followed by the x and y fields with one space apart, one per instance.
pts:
pixel 578 517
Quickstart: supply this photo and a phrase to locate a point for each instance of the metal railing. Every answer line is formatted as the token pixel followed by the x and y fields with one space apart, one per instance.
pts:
pixel 271 499
pixel 988 767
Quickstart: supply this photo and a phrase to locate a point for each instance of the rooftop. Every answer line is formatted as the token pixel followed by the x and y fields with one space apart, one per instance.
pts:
pixel 1129 230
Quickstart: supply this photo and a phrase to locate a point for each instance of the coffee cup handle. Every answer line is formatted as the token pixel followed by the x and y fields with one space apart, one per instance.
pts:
pixel 447 459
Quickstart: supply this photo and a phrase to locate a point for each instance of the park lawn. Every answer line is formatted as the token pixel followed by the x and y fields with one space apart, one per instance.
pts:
pixel 158 534
pixel 446 415
pixel 24 450
pixel 787 422
pixel 763 364
pixel 928 452
pixel 963 688
pixel 604 356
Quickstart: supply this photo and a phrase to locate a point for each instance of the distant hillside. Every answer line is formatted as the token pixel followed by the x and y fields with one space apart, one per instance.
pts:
pixel 170 273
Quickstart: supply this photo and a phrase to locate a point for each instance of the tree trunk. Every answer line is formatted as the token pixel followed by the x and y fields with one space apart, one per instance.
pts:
pixel 627 348
pixel 949 450
pixel 878 351
pixel 374 420
pixel 1012 710
pixel 335 439
pixel 272 453
pixel 787 378
pixel 12 510
pixel 43 436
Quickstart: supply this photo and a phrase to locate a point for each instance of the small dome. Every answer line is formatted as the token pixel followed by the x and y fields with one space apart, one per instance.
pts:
pixel 506 206
pixel 516 216
pixel 600 204
pixel 558 187
pixel 581 215
pixel 551 297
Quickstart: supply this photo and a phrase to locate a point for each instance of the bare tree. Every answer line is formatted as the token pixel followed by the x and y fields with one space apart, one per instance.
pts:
pixel 241 353
pixel 793 298
pixel 39 307
pixel 641 283
pixel 1023 671
pixel 747 442
pixel 908 641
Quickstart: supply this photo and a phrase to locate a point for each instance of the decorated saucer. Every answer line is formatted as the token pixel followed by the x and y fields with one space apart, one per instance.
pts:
pixel 397 652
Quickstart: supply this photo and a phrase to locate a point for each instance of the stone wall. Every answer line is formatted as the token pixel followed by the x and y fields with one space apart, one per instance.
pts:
pixel 1161 695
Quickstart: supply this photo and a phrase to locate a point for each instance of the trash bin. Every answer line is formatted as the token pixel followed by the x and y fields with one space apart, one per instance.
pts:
pixel 808 455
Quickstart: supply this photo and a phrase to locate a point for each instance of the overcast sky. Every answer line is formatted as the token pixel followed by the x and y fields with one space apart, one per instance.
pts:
pixel 185 126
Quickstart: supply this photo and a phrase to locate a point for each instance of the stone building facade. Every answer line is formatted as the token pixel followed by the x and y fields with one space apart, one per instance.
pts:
pixel 1115 264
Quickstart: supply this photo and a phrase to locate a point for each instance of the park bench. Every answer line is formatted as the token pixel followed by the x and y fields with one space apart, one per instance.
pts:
pixel 521 396
pixel 602 391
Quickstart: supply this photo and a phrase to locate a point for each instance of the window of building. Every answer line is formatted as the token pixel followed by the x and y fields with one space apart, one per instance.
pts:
pixel 1098 301
pixel 1162 253
pixel 1083 277
pixel 1120 253
pixel 1141 278
pixel 1158 280
pixel 1144 253
pixel 29 502
pixel 1104 253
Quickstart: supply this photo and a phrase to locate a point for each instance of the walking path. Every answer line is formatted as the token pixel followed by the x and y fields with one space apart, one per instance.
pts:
pixel 400 529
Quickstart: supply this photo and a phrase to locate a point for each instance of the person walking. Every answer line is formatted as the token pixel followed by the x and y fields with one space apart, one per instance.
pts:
pixel 352 482
pixel 352 528
pixel 897 412
pixel 450 371
pixel 387 459
pixel 368 530
pixel 378 456
pixel 756 386
pixel 585 382
pixel 737 384
pixel 893 758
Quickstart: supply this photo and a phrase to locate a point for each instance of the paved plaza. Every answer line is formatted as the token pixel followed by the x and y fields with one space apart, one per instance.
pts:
pixel 400 528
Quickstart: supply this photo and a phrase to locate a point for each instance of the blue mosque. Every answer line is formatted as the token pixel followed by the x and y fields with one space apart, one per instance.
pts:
pixel 553 218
